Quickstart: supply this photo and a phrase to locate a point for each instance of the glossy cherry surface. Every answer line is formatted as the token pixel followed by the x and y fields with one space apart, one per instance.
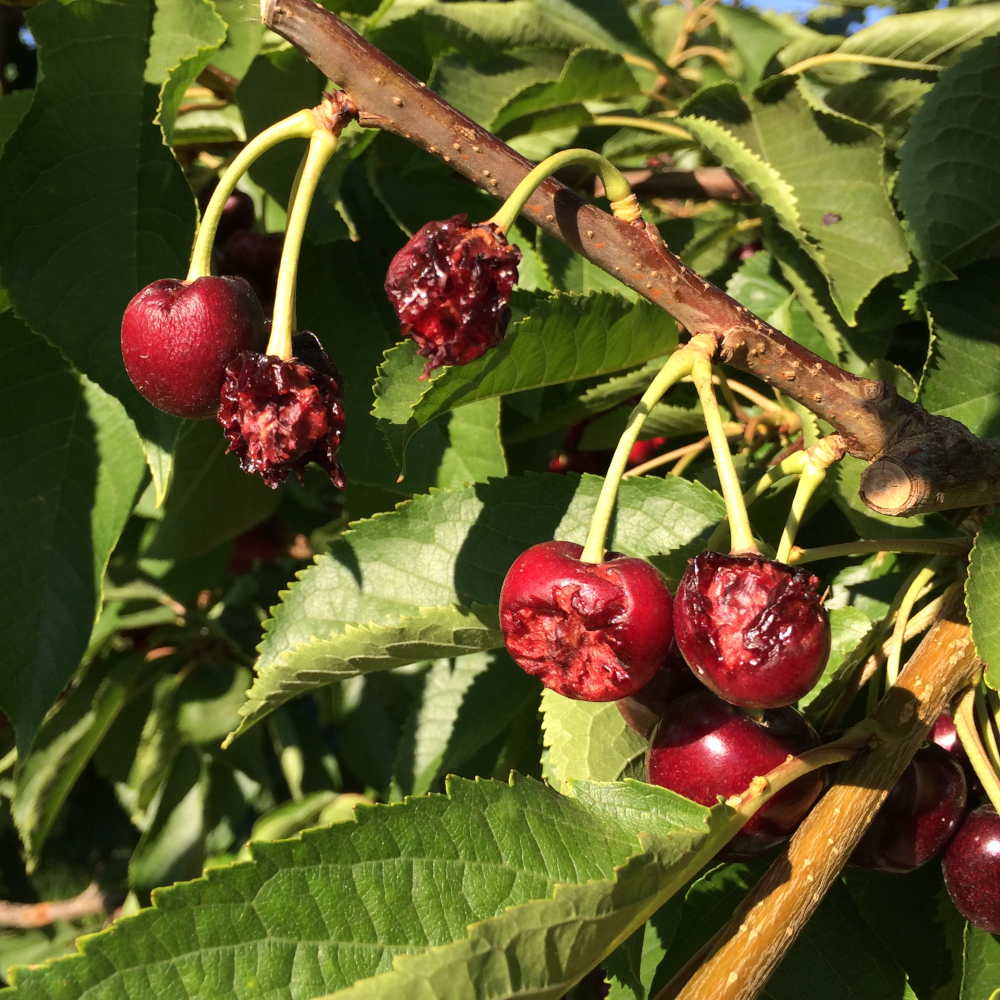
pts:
pixel 178 338
pixel 918 817
pixel 752 629
pixel 673 679
pixel 591 631
pixel 945 735
pixel 971 868
pixel 706 747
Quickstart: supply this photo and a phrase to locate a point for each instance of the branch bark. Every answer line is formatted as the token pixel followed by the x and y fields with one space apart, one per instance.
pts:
pixel 24 915
pixel 744 953
pixel 873 419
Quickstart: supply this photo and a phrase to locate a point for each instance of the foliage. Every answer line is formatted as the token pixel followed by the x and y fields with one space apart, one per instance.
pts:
pixel 203 676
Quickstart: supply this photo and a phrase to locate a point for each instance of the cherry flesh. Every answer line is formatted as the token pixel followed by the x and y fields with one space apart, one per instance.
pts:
pixel 918 817
pixel 673 679
pixel 706 747
pixel 752 629
pixel 590 631
pixel 945 735
pixel 971 868
pixel 178 338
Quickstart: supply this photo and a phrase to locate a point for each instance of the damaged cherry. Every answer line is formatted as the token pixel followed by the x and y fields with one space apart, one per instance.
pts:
pixel 706 747
pixel 971 868
pixel 278 416
pixel 752 629
pixel 590 631
pixel 450 286
pixel 178 337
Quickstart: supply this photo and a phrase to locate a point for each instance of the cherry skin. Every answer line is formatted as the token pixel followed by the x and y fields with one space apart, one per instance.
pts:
pixel 752 629
pixel 971 868
pixel 590 631
pixel 918 817
pixel 178 337
pixel 239 212
pixel 706 747
pixel 945 735
pixel 673 679
pixel 254 257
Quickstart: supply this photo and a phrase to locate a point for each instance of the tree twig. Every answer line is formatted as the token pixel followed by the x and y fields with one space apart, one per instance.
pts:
pixel 926 462
pixel 24 915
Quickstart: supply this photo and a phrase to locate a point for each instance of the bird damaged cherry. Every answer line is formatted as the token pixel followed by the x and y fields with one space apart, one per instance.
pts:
pixel 752 629
pixel 278 416
pixel 450 286
pixel 589 631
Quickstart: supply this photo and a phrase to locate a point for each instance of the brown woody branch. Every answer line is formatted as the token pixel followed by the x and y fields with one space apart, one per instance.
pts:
pixel 926 462
pixel 738 961
pixel 24 915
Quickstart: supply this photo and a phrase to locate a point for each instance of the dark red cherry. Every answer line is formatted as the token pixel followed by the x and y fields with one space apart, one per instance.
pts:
pixel 919 815
pixel 673 678
pixel 706 747
pixel 945 735
pixel 178 338
pixel 591 631
pixel 752 629
pixel 971 868
pixel 450 286
pixel 254 257
pixel 238 213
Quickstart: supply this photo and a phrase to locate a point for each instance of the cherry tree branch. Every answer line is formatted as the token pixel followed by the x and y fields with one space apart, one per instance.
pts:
pixel 737 962
pixel 23 915
pixel 925 462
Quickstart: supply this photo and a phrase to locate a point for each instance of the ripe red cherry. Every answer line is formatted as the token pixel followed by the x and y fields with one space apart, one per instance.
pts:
pixel 591 631
pixel 752 629
pixel 706 747
pixel 643 451
pixel 178 337
pixel 971 868
pixel 238 213
pixel 255 258
pixel 918 817
pixel 673 679
pixel 945 735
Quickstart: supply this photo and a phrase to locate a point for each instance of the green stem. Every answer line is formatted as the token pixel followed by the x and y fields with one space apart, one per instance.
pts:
pixel 810 481
pixel 298 126
pixel 616 187
pixel 986 728
pixel 678 365
pixel 650 125
pixel 965 723
pixel 851 57
pixel 322 145
pixel 931 546
pixel 786 469
pixel 732 493
pixel 912 594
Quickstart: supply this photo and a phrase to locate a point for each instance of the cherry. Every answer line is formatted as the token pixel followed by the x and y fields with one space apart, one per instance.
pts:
pixel 971 868
pixel 254 257
pixel 239 212
pixel 643 451
pixel 918 816
pixel 706 747
pixel 752 629
pixel 673 678
pixel 178 337
pixel 591 631
pixel 945 735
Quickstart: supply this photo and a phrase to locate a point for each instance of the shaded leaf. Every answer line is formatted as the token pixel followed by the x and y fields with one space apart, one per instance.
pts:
pixel 981 589
pixel 982 965
pixel 475 451
pixel 848 628
pixel 889 104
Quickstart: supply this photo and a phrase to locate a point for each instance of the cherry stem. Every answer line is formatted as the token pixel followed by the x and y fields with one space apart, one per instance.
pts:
pixel 678 365
pixel 920 579
pixel 986 729
pixel 965 724
pixel 624 204
pixel 870 546
pixel 816 460
pixel 322 146
pixel 788 468
pixel 732 492
pixel 298 126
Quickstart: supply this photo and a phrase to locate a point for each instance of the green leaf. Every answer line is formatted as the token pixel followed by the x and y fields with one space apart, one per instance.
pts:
pixel 70 467
pixel 13 108
pixel 820 173
pixel 890 104
pixel 561 338
pixel 962 376
pixel 586 740
pixel 848 628
pixel 956 130
pixel 981 589
pixel 400 879
pixel 465 703
pixel 754 39
pixel 475 451
pixel 96 206
pixel 982 965
pixel 244 33
pixel 211 500
pixel 186 34
pixel 65 743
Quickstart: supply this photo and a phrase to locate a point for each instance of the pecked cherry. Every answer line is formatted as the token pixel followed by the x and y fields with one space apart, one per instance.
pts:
pixel 450 286
pixel 918 817
pixel 673 679
pixel 752 629
pixel 971 866
pixel 945 735
pixel 705 748
pixel 178 337
pixel 590 631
